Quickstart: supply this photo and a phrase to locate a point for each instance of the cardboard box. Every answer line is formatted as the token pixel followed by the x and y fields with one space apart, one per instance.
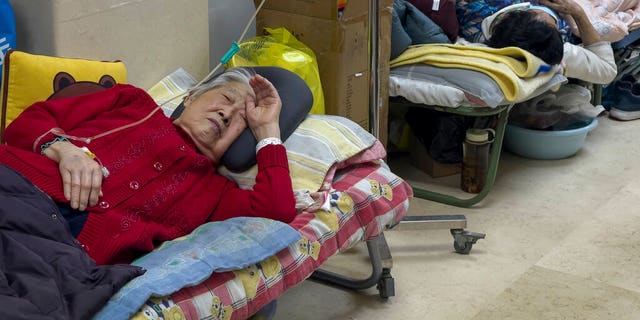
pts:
pixel 323 9
pixel 341 45
pixel 421 159
pixel 341 48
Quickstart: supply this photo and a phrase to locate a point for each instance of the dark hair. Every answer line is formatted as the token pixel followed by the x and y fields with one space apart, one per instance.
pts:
pixel 523 29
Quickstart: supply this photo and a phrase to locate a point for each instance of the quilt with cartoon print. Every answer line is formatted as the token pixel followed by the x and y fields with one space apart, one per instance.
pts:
pixel 345 194
pixel 363 199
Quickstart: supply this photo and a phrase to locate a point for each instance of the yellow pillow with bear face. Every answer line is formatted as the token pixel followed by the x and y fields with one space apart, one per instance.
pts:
pixel 29 78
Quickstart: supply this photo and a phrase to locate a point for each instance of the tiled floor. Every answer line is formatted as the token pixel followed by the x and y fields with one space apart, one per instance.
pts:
pixel 563 242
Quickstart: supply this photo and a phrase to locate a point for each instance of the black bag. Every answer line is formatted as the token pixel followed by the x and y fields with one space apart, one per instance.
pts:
pixel 442 133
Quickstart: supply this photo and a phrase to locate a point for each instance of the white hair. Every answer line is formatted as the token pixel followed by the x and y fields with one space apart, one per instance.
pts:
pixel 236 74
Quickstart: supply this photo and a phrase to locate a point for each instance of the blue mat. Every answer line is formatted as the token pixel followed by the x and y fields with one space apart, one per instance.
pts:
pixel 213 247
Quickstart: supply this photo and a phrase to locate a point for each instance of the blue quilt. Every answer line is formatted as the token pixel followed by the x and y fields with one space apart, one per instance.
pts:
pixel 213 247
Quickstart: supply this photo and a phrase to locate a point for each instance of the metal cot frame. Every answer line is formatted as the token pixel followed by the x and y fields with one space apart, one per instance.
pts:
pixel 380 256
pixel 378 249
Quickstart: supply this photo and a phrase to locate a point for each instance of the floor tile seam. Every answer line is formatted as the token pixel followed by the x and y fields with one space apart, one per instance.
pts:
pixel 592 218
pixel 586 278
pixel 628 178
pixel 498 294
pixel 585 177
pixel 595 214
pixel 516 279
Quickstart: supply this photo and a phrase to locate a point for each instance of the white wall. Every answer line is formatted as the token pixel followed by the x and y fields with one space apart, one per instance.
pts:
pixel 152 37
pixel 227 20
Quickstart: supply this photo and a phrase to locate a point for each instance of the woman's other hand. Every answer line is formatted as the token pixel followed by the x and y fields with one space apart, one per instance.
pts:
pixel 587 31
pixel 564 7
pixel 263 112
pixel 81 175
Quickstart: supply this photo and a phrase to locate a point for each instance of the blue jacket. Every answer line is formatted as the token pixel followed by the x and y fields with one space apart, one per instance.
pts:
pixel 410 26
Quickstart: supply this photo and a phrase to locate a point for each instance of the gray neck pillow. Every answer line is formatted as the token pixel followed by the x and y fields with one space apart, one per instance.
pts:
pixel 296 102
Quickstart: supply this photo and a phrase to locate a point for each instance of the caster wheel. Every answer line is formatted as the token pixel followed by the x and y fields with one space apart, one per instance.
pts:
pixel 386 287
pixel 463 240
pixel 462 248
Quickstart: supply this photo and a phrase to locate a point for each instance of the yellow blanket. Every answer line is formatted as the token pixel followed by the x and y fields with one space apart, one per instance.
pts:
pixel 517 72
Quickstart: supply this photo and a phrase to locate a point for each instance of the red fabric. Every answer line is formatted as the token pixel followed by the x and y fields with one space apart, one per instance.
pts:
pixel 444 15
pixel 159 188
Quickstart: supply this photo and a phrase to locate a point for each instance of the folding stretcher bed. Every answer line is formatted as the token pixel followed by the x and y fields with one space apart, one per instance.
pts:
pixel 467 93
pixel 354 197
pixel 439 77
pixel 339 163
pixel 458 101
pixel 365 198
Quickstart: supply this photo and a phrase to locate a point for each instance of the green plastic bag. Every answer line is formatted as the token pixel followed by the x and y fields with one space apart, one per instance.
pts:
pixel 280 48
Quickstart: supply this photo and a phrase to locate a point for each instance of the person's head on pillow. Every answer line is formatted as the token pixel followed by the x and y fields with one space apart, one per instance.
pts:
pixel 293 94
pixel 218 111
pixel 534 30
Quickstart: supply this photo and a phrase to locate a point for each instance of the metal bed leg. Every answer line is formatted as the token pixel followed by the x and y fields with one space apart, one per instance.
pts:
pixel 491 172
pixel 597 94
pixel 463 240
pixel 381 264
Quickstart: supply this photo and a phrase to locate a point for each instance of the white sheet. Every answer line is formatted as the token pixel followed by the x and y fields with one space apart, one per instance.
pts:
pixel 435 86
pixel 419 91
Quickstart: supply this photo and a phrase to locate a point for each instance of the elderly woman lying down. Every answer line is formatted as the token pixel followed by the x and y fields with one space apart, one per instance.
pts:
pixel 91 154
pixel 125 178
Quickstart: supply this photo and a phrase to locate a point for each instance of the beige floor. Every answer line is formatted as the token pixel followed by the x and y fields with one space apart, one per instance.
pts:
pixel 563 242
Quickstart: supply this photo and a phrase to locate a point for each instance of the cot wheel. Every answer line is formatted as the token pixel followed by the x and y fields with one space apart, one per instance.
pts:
pixel 462 248
pixel 463 240
pixel 386 287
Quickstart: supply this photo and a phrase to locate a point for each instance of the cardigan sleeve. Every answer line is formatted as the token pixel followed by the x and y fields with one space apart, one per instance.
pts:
pixel 43 121
pixel 272 195
pixel 594 63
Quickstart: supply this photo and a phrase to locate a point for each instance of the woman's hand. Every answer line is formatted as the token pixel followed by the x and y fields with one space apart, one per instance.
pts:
pixel 263 112
pixel 81 175
pixel 564 7
pixel 587 32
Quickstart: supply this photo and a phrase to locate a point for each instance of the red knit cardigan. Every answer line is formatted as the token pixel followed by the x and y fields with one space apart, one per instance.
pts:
pixel 159 186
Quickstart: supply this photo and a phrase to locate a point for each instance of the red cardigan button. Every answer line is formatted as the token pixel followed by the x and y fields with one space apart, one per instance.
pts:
pixel 104 205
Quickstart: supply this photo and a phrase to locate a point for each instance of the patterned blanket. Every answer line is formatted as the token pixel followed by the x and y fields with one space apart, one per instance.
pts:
pixel 367 198
pixel 318 143
pixel 328 155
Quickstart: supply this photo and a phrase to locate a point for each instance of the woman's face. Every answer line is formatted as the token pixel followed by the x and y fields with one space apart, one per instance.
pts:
pixel 215 118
